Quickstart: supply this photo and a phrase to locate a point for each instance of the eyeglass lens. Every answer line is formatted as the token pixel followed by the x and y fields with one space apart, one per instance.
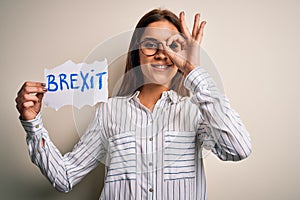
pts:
pixel 150 47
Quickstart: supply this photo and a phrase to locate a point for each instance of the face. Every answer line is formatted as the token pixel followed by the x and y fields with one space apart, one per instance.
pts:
pixel 157 68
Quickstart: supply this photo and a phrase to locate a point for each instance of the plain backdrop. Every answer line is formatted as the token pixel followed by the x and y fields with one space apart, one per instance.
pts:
pixel 254 45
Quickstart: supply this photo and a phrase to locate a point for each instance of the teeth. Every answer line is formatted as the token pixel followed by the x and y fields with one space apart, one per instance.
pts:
pixel 160 66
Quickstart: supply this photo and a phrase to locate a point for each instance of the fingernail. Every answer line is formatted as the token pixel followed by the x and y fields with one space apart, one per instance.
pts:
pixel 43 84
pixel 45 89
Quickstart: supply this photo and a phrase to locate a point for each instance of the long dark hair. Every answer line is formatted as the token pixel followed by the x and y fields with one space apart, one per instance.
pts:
pixel 133 77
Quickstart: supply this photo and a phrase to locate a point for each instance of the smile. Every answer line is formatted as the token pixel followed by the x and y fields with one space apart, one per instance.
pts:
pixel 161 66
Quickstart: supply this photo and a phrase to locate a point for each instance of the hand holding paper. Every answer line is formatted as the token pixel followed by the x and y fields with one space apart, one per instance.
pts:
pixel 29 99
pixel 76 84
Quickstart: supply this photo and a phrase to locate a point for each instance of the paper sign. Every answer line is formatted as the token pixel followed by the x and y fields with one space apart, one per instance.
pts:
pixel 76 84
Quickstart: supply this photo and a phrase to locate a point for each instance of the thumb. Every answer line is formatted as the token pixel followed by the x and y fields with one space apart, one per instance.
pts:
pixel 178 59
pixel 168 50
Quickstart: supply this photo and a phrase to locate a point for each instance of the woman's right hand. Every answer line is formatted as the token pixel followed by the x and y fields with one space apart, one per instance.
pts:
pixel 29 99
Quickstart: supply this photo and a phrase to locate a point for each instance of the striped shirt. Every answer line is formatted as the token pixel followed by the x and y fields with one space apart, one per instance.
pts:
pixel 148 155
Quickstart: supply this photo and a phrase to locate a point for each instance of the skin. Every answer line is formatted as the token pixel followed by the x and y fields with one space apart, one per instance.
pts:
pixel 156 80
pixel 29 99
pixel 160 31
pixel 30 96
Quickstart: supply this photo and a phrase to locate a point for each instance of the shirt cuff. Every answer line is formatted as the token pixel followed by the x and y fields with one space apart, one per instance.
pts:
pixel 197 80
pixel 34 126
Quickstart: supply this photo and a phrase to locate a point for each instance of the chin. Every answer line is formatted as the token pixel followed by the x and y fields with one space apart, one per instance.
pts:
pixel 157 81
pixel 159 74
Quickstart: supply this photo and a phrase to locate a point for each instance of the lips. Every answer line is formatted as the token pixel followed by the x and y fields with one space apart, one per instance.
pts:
pixel 161 66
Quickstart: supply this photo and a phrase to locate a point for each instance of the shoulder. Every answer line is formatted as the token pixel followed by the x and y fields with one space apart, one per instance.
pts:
pixel 118 99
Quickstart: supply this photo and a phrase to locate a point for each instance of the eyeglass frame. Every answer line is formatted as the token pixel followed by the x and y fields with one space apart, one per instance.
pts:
pixel 152 40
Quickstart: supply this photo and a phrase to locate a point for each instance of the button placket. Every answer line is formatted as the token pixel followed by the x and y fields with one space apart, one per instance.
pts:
pixel 150 150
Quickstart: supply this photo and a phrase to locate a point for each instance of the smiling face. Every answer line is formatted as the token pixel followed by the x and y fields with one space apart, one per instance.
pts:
pixel 158 68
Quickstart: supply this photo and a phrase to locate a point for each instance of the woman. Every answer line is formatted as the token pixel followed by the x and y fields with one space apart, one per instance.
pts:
pixel 150 137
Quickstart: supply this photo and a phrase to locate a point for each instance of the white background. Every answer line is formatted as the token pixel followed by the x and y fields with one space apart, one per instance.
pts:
pixel 254 44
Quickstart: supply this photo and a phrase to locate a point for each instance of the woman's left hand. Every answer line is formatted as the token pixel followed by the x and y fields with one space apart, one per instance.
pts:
pixel 189 57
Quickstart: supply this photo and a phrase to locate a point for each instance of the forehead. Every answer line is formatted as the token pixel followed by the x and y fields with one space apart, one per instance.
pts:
pixel 160 30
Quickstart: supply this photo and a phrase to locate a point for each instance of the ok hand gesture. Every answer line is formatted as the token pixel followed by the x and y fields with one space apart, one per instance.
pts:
pixel 189 57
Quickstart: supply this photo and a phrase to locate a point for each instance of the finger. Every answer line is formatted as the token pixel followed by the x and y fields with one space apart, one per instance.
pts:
pixel 177 37
pixel 200 32
pixel 32 84
pixel 28 97
pixel 24 105
pixel 176 58
pixel 33 89
pixel 196 25
pixel 16 99
pixel 185 29
pixel 28 104
pixel 167 48
pixel 168 51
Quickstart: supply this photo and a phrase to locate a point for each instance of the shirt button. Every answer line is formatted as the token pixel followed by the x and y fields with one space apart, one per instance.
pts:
pixel 150 163
pixel 37 126
pixel 150 139
pixel 150 190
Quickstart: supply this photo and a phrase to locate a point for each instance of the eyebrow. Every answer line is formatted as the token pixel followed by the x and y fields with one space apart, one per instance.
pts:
pixel 150 38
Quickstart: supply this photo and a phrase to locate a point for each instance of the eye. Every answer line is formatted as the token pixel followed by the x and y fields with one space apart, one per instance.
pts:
pixel 149 45
pixel 175 46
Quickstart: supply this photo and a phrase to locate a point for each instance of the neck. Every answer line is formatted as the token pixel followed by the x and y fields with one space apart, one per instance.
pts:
pixel 150 94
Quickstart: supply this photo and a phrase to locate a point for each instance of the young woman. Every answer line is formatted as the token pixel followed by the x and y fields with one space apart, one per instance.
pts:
pixel 151 136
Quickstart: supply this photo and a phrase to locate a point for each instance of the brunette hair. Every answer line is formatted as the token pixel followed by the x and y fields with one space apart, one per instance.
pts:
pixel 133 77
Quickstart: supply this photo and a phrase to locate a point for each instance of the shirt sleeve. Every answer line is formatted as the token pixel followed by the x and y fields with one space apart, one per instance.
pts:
pixel 220 128
pixel 65 171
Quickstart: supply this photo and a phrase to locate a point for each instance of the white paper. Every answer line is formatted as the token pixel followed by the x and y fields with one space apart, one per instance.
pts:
pixel 76 84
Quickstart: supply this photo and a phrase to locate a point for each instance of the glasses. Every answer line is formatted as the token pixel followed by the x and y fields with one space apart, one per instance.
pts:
pixel 150 47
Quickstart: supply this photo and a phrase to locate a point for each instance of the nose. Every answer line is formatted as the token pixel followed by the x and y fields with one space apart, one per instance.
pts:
pixel 160 54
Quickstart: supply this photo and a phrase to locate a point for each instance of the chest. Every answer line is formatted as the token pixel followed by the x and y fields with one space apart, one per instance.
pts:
pixel 142 141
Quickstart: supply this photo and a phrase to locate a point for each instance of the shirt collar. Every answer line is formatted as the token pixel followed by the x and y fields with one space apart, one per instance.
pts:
pixel 170 94
pixel 134 95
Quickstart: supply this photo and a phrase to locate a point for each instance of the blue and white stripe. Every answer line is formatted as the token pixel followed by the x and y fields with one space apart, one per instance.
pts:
pixel 148 155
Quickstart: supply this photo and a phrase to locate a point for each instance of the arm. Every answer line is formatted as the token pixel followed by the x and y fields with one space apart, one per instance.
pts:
pixel 220 129
pixel 62 171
